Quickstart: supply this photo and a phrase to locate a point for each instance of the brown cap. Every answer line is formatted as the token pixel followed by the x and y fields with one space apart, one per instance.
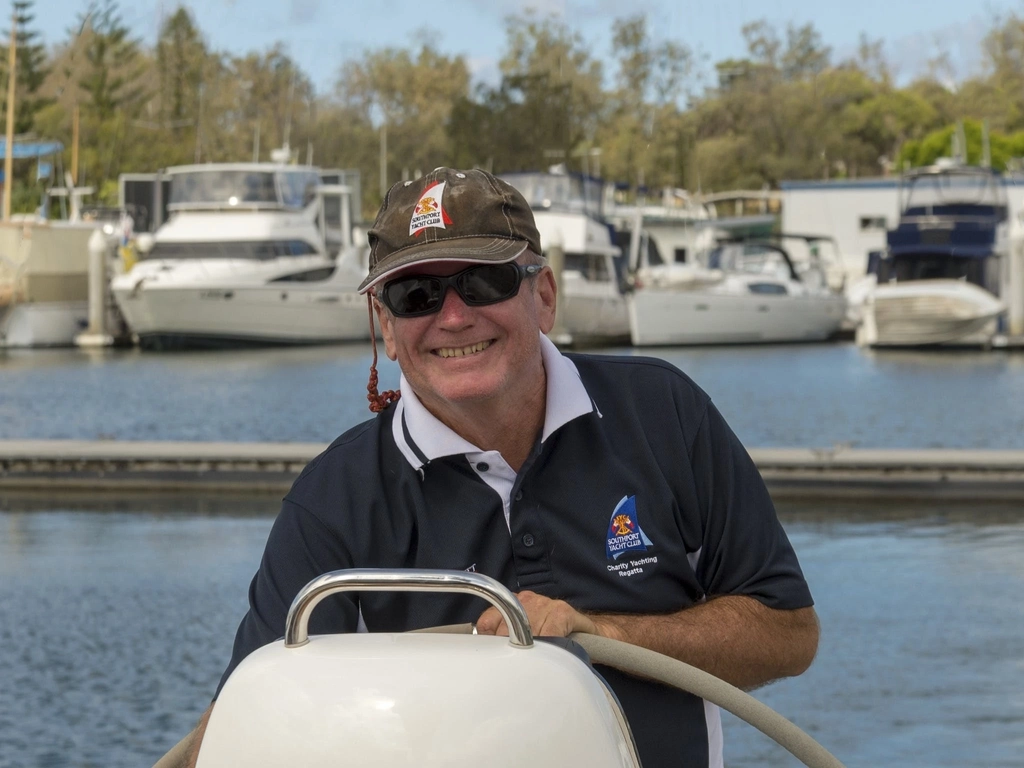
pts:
pixel 449 215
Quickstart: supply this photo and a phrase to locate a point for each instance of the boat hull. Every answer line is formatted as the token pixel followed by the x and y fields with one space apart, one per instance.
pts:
pixel 45 324
pixel 216 317
pixel 929 313
pixel 223 303
pixel 593 313
pixel 669 317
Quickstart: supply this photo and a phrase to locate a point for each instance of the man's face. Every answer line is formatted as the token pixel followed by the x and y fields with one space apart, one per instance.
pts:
pixel 499 343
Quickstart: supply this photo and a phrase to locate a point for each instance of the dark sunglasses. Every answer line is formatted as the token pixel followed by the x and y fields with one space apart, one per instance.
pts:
pixel 417 295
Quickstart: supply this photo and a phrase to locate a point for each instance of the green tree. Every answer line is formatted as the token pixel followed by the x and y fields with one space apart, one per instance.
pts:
pixel 267 90
pixel 180 58
pixel 1002 147
pixel 32 66
pixel 644 140
pixel 546 109
pixel 413 94
pixel 108 72
pixel 551 89
pixel 805 55
pixel 112 67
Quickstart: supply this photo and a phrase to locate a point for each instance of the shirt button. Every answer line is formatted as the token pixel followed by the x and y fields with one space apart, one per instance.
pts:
pixel 528 539
pixel 483 466
pixel 519 495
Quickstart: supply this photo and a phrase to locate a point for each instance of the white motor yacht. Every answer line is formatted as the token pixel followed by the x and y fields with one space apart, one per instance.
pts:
pixel 945 268
pixel 246 258
pixel 567 209
pixel 739 292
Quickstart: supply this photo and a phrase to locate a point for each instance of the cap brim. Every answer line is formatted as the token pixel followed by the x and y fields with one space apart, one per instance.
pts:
pixel 471 250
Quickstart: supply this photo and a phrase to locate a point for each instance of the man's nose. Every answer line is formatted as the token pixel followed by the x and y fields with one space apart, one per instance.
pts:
pixel 454 312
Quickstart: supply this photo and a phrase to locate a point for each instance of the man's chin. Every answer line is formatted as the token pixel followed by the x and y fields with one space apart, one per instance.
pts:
pixel 468 389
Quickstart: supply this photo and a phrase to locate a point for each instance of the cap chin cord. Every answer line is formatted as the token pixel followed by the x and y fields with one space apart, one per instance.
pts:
pixel 378 402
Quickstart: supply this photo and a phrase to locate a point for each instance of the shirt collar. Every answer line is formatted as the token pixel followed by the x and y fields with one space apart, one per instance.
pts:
pixel 421 437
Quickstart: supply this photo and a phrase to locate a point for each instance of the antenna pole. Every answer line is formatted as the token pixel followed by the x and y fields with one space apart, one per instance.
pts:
pixel 74 145
pixel 12 60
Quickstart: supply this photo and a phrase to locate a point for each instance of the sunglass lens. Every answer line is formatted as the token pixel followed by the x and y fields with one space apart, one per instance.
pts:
pixel 413 295
pixel 488 284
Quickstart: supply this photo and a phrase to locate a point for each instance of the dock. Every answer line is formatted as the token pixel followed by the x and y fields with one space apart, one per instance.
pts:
pixel 200 468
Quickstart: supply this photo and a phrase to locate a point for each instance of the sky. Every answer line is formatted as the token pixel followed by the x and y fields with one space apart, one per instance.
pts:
pixel 321 34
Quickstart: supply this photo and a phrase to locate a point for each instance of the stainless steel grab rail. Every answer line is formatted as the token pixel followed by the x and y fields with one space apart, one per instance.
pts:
pixel 296 631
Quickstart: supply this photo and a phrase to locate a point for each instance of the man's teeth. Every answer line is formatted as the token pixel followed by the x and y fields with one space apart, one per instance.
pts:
pixel 463 351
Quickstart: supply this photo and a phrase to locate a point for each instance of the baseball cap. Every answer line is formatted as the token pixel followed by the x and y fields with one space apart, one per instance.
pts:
pixel 449 215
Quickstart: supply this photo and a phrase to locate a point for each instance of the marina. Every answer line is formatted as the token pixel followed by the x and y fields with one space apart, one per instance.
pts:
pixel 833 251
pixel 160 477
pixel 264 254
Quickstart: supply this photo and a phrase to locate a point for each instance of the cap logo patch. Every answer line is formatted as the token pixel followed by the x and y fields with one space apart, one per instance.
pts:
pixel 429 211
pixel 624 532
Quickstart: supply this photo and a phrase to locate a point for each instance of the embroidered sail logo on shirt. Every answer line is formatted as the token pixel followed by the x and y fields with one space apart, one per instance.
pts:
pixel 429 211
pixel 624 531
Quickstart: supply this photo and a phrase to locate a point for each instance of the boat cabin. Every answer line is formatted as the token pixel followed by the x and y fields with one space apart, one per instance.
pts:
pixel 950 227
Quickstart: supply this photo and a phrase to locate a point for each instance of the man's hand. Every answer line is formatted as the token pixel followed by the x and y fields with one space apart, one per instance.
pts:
pixel 733 637
pixel 550 618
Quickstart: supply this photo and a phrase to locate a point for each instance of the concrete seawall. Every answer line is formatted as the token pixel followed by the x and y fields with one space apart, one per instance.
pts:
pixel 75 466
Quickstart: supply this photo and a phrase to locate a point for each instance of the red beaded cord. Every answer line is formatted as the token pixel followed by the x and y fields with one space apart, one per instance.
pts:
pixel 378 402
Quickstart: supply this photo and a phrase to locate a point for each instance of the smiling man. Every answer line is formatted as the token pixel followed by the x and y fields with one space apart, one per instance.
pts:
pixel 608 492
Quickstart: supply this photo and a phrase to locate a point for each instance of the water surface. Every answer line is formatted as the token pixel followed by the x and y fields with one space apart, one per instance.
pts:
pixel 117 617
pixel 816 395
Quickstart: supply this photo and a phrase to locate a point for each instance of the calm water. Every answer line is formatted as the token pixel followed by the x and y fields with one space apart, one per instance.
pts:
pixel 118 618
pixel 816 395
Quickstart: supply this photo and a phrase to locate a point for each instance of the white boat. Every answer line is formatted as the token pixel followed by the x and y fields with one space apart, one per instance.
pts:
pixel 567 210
pixel 739 292
pixel 929 312
pixel 246 258
pixel 946 264
pixel 44 276
pixel 438 699
pixel 44 270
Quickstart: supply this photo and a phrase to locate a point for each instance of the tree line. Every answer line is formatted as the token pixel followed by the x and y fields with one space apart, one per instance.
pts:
pixel 788 109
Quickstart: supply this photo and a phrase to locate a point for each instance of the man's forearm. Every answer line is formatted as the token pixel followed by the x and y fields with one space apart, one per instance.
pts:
pixel 735 638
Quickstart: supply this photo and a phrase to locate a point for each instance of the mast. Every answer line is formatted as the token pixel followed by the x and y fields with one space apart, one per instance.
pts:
pixel 12 59
pixel 74 145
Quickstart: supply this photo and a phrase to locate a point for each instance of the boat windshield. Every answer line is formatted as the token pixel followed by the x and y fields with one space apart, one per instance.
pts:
pixel 928 191
pixel 754 258
pixel 259 250
pixel 242 189
pixel 925 266
pixel 558 192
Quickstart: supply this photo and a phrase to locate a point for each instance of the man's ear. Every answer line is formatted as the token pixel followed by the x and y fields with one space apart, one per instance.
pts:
pixel 546 292
pixel 387 329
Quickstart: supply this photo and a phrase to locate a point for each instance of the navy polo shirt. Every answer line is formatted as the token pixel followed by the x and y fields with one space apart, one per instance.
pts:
pixel 637 498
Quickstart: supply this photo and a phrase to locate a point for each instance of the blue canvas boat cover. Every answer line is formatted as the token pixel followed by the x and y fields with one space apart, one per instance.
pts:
pixel 27 150
pixel 957 250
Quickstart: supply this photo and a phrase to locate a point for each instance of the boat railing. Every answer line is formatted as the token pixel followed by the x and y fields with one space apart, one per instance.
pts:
pixel 227 206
